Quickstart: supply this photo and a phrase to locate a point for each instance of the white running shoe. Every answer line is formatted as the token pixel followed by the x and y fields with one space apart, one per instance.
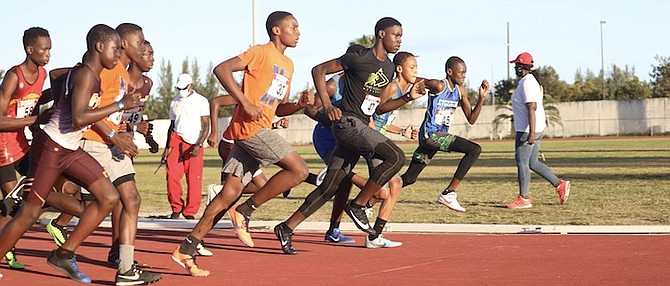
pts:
pixel 380 242
pixel 201 250
pixel 450 201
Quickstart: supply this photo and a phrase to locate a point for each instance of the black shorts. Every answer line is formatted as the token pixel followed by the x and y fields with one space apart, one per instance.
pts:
pixel 8 172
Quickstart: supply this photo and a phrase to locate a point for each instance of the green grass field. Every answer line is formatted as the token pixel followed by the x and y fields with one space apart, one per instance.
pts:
pixel 615 181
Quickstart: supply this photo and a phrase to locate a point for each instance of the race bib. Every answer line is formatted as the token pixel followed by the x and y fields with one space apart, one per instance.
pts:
pixel 25 107
pixel 370 104
pixel 279 86
pixel 134 115
pixel 444 116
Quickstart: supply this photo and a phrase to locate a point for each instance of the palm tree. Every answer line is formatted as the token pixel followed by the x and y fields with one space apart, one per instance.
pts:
pixel 2 74
pixel 366 41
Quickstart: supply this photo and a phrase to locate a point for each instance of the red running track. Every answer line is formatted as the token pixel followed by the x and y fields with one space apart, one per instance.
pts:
pixel 424 259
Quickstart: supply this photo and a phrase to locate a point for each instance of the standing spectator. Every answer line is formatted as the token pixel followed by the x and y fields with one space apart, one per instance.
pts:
pixel 189 127
pixel 529 123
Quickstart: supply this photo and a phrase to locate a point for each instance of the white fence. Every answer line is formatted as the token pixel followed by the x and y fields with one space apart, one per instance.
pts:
pixel 579 119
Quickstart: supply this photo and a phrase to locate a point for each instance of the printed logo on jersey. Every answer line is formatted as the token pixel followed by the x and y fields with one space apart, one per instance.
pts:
pixel 25 105
pixel 278 88
pixel 376 82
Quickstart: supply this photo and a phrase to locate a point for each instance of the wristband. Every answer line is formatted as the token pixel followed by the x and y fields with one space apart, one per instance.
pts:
pixel 407 97
pixel 274 125
pixel 111 134
pixel 119 103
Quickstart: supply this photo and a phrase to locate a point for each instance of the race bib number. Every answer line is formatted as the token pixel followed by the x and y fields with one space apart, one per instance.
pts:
pixel 370 104
pixel 134 115
pixel 279 86
pixel 25 107
pixel 444 116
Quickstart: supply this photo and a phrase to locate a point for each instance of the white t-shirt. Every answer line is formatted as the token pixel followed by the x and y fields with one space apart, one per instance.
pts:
pixel 528 90
pixel 186 113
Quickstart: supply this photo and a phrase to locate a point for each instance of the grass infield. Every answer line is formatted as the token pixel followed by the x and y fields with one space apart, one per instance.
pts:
pixel 615 181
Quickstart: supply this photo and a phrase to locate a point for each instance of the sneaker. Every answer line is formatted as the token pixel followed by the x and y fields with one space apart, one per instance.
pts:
pixel 369 210
pixel 338 237
pixel 450 201
pixel 59 233
pixel 284 237
pixel 174 215
pixel 240 226
pixel 14 199
pixel 188 262
pixel 359 218
pixel 136 276
pixel 520 203
pixel 12 261
pixel 563 191
pixel 189 217
pixel 286 193
pixel 68 266
pixel 380 242
pixel 202 251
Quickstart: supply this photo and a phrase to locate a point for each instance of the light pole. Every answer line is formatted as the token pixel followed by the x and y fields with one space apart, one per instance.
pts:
pixel 253 22
pixel 602 58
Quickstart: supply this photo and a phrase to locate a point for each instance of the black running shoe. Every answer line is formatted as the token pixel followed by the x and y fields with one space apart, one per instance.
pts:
pixel 284 235
pixel 136 276
pixel 68 266
pixel 12 202
pixel 359 218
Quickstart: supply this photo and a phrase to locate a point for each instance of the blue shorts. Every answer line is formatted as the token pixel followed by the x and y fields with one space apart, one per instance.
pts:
pixel 323 140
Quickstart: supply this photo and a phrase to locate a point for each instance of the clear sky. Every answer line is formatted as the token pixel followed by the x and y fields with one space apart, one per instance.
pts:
pixel 562 34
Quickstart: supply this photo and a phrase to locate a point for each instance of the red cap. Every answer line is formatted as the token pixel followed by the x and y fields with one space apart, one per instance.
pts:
pixel 523 58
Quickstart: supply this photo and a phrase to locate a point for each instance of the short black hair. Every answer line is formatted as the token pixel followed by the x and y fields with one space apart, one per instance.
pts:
pixel 31 34
pixel 451 62
pixel 99 33
pixel 147 42
pixel 384 23
pixel 126 29
pixel 274 19
pixel 401 57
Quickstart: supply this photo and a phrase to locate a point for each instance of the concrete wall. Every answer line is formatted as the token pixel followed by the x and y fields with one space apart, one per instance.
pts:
pixel 580 119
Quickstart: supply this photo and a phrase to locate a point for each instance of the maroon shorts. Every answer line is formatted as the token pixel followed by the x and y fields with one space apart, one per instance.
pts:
pixel 49 160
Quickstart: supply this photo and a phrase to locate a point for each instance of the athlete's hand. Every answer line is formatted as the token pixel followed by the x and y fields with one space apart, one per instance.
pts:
pixel 410 132
pixel 282 123
pixel 44 116
pixel 145 127
pixel 418 89
pixel 254 112
pixel 213 139
pixel 306 98
pixel 123 127
pixel 131 100
pixel 484 89
pixel 124 142
pixel 334 113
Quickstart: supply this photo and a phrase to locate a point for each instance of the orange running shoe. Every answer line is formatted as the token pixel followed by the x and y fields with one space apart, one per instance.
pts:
pixel 563 191
pixel 520 203
pixel 240 226
pixel 188 263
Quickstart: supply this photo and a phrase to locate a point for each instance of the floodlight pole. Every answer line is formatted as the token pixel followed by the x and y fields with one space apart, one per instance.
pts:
pixel 602 58
pixel 253 22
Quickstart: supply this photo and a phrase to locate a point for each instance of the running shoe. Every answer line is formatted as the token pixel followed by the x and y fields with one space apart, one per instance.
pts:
pixel 563 191
pixel 450 201
pixel 380 242
pixel 338 237
pixel 14 199
pixel 136 276
pixel 240 226
pixel 12 260
pixel 520 203
pixel 188 262
pixel 284 234
pixel 58 233
pixel 359 218
pixel 68 266
pixel 201 250
pixel 286 193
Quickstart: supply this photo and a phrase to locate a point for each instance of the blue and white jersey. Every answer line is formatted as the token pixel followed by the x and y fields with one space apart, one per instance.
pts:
pixel 382 121
pixel 440 111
